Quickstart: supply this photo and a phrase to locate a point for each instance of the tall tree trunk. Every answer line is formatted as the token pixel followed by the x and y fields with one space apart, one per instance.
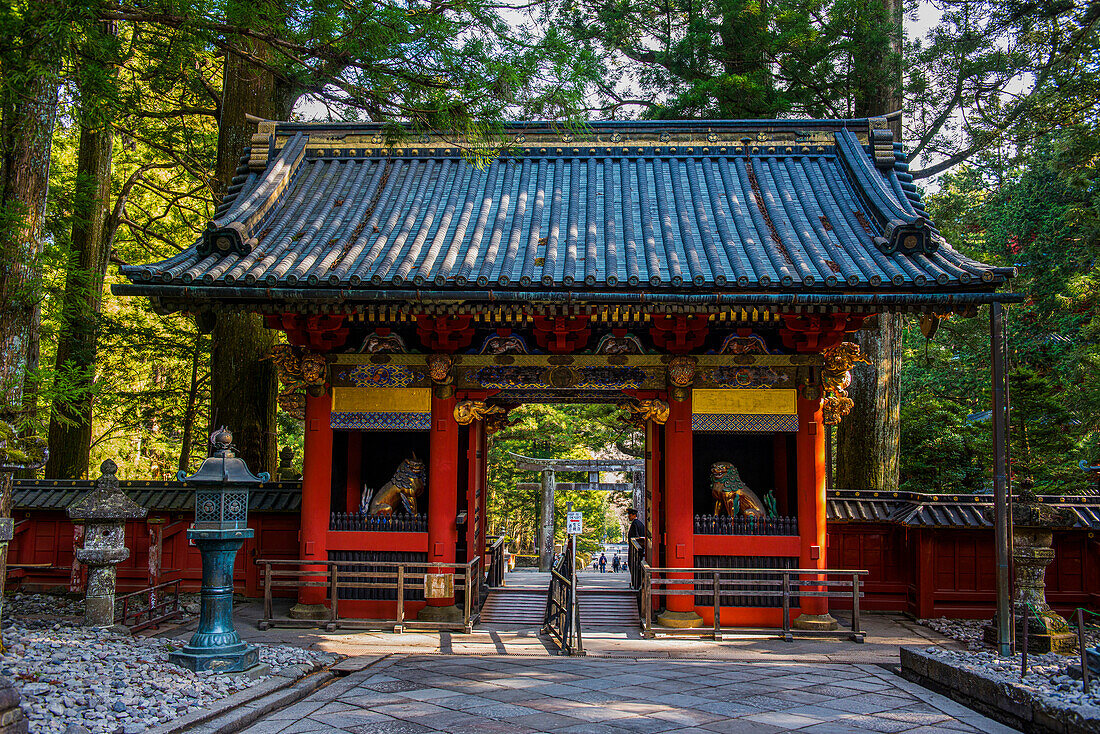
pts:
pixel 28 104
pixel 868 439
pixel 28 122
pixel 243 389
pixel 70 436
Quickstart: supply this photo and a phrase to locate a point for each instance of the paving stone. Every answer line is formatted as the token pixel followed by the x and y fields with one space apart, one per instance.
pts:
pixel 602 696
pixel 390 727
pixel 742 726
pixel 877 723
pixel 393 686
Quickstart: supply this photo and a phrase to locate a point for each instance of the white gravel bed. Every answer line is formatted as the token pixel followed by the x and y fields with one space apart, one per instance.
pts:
pixel 43 605
pixel 72 677
pixel 65 605
pixel 969 632
pixel 1047 675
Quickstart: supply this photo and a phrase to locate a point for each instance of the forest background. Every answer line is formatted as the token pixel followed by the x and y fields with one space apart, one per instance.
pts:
pixel 122 124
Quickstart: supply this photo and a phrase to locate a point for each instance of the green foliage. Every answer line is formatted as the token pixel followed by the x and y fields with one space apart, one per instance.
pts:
pixel 554 432
pixel 939 448
pixel 1041 214
pixel 728 58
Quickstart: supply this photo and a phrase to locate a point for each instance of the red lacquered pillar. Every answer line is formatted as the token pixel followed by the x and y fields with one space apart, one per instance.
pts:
pixel 810 454
pixel 679 508
pixel 442 501
pixel 316 500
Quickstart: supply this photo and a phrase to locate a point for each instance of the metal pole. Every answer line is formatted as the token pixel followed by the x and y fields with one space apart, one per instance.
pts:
pixel 1023 657
pixel 546 528
pixel 1000 479
pixel 1083 649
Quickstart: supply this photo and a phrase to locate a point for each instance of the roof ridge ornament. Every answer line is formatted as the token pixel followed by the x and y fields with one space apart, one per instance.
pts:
pixel 904 229
pixel 232 231
pixel 881 138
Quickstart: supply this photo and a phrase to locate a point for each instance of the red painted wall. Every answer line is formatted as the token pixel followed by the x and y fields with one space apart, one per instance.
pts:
pixel 957 579
pixel 40 556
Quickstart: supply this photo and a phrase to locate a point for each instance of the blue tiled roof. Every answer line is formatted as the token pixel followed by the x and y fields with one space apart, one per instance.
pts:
pixel 792 206
pixel 57 494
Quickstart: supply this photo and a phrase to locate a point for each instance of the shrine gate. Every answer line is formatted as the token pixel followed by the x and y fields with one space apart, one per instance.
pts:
pixel 705 275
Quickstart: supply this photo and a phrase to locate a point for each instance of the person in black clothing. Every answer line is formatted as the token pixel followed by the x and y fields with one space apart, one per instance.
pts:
pixel 636 530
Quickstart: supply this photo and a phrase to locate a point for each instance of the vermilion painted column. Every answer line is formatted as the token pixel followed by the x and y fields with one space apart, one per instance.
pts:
pixel 316 498
pixel 653 480
pixel 810 454
pixel 679 510
pixel 442 488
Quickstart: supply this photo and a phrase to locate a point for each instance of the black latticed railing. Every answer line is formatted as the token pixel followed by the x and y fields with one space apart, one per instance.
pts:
pixel 496 564
pixel 562 623
pixel 725 525
pixel 378 523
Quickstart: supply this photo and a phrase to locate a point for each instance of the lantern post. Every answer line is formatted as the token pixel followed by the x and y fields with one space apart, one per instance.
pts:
pixel 221 486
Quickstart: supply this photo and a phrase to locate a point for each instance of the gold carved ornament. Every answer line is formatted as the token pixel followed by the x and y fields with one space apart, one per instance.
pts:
pixel 298 370
pixel 639 412
pixel 439 369
pixel 681 376
pixel 836 376
pixel 494 417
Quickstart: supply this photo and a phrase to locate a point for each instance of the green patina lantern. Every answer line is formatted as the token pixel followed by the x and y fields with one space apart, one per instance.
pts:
pixel 222 485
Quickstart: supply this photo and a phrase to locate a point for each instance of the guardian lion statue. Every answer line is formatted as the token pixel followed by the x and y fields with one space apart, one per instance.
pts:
pixel 732 494
pixel 398 494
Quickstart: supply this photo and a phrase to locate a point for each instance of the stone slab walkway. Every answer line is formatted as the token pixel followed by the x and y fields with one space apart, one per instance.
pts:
pixel 486 694
pixel 885 634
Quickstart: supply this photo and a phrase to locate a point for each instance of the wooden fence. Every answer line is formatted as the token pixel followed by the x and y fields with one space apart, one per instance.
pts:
pixel 337 576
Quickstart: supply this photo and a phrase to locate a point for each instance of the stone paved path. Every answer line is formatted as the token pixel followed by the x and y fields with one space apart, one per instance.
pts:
pixel 486 695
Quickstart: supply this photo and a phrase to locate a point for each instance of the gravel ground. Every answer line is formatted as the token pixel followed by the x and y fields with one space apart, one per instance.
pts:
pixel 72 677
pixel 1047 677
pixel 54 605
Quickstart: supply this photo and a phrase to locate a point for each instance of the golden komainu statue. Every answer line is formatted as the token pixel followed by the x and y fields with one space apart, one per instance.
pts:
pixel 836 376
pixel 399 493
pixel 732 494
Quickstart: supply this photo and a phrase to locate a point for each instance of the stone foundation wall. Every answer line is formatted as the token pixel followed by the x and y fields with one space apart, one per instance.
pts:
pixel 1009 704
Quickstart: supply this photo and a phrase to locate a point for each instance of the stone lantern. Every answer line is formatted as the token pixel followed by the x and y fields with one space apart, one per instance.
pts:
pixel 221 526
pixel 104 512
pixel 1033 525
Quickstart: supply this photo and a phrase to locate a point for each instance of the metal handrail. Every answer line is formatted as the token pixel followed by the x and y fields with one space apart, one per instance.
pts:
pixel 156 609
pixel 561 622
pixel 333 576
pixel 713 582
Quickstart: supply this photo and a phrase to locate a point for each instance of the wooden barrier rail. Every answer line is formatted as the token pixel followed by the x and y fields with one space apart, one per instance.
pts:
pixel 782 586
pixel 157 606
pixel 402 577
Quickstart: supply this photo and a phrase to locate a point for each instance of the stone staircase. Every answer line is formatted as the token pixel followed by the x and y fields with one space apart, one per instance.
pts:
pixel 525 607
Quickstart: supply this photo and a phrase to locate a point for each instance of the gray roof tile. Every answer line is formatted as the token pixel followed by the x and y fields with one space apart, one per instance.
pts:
pixel 336 208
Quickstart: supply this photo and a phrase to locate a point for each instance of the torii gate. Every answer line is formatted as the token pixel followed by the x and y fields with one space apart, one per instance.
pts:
pixel 549 467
